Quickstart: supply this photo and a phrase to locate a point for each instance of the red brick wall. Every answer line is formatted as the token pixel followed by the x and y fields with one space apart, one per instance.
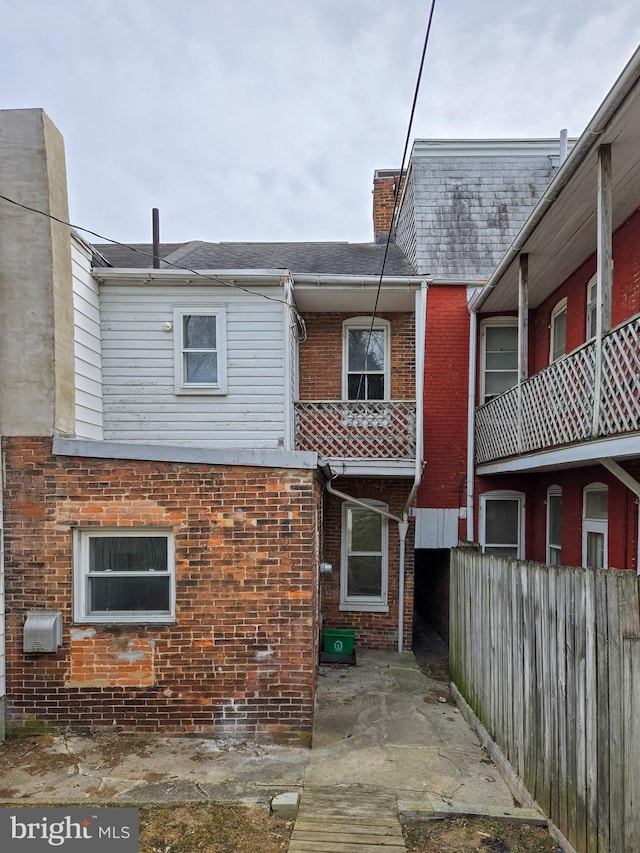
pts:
pixel 623 512
pixel 240 659
pixel 373 630
pixel 445 399
pixel 384 192
pixel 321 356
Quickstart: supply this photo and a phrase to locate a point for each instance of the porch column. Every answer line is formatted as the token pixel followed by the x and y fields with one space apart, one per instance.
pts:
pixel 523 333
pixel 604 273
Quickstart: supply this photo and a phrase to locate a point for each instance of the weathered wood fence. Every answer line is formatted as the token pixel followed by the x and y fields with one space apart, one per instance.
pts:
pixel 548 659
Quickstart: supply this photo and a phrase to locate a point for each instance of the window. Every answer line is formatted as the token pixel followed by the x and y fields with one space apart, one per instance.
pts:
pixel 363 575
pixel 200 351
pixel 558 345
pixel 595 515
pixel 502 524
pixel 592 307
pixel 499 352
pixel 366 359
pixel 554 525
pixel 123 575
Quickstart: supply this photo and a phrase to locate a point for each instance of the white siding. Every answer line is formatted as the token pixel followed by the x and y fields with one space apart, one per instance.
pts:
pixel 88 359
pixel 436 528
pixel 140 403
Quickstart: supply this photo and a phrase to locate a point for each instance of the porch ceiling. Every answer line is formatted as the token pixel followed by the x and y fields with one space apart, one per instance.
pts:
pixel 565 235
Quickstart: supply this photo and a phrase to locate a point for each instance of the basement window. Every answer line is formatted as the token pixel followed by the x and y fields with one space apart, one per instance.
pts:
pixel 123 575
pixel 200 353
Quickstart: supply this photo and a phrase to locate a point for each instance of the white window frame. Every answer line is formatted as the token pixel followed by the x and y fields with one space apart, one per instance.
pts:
pixel 595 525
pixel 485 497
pixel 484 325
pixel 558 311
pixel 373 604
pixel 181 385
pixel 591 308
pixel 554 549
pixel 365 323
pixel 82 612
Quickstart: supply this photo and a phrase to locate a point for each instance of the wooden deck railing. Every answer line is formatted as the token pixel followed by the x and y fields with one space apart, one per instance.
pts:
pixel 559 405
pixel 357 429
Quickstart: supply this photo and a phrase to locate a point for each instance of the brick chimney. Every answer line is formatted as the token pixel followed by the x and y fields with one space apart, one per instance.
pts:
pixel 384 190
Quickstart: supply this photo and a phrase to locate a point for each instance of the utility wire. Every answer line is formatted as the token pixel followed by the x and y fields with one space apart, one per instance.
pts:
pixel 299 319
pixel 396 195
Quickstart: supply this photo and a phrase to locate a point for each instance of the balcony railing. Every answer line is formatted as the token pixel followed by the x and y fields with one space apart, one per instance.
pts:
pixel 358 429
pixel 560 405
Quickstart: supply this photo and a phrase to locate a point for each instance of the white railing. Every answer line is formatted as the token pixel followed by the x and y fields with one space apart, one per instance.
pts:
pixel 558 406
pixel 358 429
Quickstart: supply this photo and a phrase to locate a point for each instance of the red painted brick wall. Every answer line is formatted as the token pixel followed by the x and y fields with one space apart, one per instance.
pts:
pixel 373 630
pixel 240 659
pixel 445 398
pixel 623 512
pixel 321 356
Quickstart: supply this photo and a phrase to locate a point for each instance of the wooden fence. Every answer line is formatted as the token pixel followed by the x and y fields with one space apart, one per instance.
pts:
pixel 548 659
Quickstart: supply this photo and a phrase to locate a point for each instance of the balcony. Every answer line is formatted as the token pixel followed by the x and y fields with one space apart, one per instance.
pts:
pixel 368 431
pixel 563 404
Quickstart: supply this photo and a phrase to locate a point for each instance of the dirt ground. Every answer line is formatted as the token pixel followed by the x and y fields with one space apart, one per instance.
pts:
pixel 233 829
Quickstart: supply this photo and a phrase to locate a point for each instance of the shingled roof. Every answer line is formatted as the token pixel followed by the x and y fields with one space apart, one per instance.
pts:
pixel 330 258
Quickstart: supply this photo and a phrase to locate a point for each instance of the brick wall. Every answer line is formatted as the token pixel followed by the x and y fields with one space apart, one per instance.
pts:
pixel 240 659
pixel 623 512
pixel 384 193
pixel 445 399
pixel 373 630
pixel 321 356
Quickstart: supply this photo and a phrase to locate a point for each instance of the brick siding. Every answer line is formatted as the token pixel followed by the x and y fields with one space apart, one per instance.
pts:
pixel 240 659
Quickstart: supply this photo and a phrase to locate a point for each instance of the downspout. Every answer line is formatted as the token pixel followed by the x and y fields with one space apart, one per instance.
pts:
pixel 471 408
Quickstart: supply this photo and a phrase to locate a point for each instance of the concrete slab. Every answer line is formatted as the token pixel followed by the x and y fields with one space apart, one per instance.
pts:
pixel 381 725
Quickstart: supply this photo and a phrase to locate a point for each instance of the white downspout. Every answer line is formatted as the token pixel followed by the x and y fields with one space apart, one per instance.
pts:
pixel 471 408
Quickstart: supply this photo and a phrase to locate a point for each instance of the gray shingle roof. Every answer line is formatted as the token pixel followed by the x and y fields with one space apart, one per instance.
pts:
pixel 330 258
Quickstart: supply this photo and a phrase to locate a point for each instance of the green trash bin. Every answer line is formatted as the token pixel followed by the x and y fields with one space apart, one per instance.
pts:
pixel 337 641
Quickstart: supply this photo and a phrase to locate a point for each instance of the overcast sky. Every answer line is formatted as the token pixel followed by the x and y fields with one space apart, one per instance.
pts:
pixel 265 119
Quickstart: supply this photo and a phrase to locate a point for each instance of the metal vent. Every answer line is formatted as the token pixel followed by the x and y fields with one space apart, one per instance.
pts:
pixel 42 631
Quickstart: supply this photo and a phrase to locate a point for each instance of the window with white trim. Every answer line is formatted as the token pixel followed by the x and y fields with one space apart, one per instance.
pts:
pixel 595 523
pixel 499 356
pixel 558 328
pixel 364 564
pixel 366 359
pixel 200 352
pixel 123 575
pixel 592 307
pixel 554 526
pixel 502 524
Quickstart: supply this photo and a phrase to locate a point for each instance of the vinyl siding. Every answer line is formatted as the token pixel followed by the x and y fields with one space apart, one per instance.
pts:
pixel 140 400
pixel 87 345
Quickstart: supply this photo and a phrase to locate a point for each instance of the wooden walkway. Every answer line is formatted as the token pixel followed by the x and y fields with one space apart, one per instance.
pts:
pixel 347 820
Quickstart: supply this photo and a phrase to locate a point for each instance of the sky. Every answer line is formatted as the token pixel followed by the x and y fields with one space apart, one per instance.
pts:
pixel 264 120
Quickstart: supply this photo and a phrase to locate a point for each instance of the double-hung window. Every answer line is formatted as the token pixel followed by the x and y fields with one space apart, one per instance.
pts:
pixel 554 525
pixel 595 522
pixel 502 524
pixel 366 359
pixel 558 330
pixel 363 575
pixel 123 575
pixel 499 353
pixel 200 350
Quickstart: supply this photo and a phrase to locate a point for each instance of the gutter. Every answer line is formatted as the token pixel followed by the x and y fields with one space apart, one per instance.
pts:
pixel 373 280
pixel 585 144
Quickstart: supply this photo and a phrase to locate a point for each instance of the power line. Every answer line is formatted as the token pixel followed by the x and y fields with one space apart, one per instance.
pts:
pixel 395 203
pixel 217 279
